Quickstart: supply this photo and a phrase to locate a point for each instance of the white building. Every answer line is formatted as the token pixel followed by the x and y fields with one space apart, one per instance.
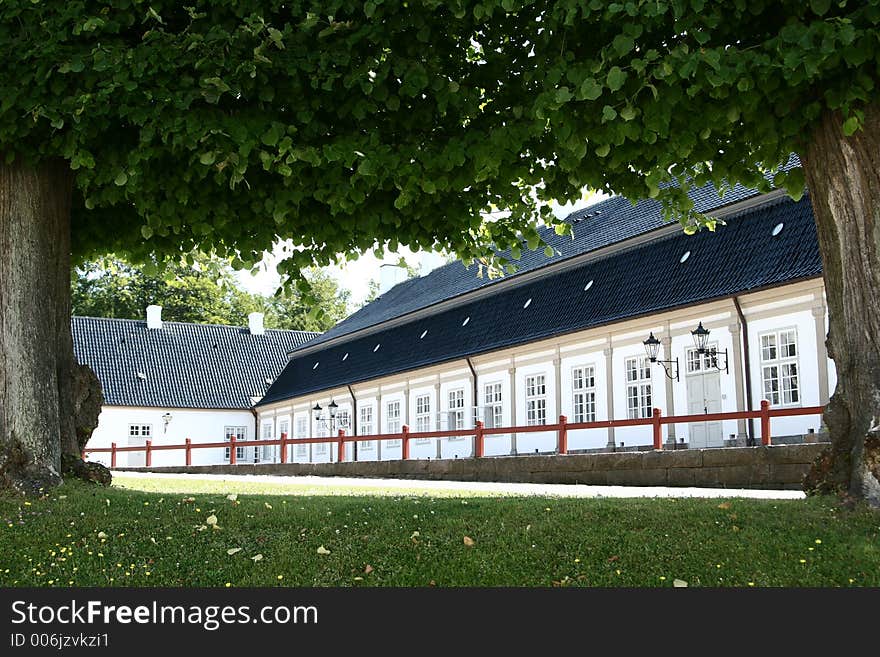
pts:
pixel 565 336
pixel 171 381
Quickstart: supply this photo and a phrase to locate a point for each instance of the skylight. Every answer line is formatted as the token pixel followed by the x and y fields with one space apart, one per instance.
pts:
pixel 424 333
pixel 684 256
pixel 315 366
pixel 527 303
pixel 346 356
pixel 778 228
pixel 376 348
pixel 588 285
pixel 466 320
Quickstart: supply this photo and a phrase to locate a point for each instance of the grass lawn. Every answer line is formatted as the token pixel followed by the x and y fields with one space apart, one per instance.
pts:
pixel 163 535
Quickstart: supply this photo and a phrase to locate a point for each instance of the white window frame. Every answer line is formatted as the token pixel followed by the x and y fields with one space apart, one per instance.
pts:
pixel 780 367
pixel 140 430
pixel 423 417
pixel 229 431
pixel 697 363
pixel 365 427
pixel 266 452
pixel 321 431
pixel 455 411
pixel 393 420
pixel 536 399
pixel 493 402
pixel 639 387
pixel 583 393
pixel 302 431
pixel 283 427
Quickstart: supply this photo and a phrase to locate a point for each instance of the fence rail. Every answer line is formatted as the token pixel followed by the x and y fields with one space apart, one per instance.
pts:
pixel 478 433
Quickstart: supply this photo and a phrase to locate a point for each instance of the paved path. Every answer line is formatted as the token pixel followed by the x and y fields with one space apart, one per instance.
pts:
pixel 560 490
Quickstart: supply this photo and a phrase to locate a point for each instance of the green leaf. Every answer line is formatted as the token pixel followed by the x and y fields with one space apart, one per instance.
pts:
pixel 563 95
pixel 549 252
pixel 622 44
pixel 121 178
pixel 851 125
pixel 147 232
pixel 603 150
pixel 608 113
pixel 369 9
pixel 616 78
pixel 628 113
pixel 820 7
pixel 207 158
pixel 590 89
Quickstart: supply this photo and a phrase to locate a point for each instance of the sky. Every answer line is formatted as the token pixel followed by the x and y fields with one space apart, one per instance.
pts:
pixel 356 276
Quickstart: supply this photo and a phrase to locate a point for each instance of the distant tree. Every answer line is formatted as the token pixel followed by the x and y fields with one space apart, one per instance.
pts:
pixel 201 289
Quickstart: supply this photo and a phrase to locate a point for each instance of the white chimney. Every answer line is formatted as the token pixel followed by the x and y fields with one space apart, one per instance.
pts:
pixel 255 323
pixel 389 276
pixel 154 317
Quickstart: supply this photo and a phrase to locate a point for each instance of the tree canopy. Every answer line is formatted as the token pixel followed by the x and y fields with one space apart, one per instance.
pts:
pixel 206 291
pixel 226 124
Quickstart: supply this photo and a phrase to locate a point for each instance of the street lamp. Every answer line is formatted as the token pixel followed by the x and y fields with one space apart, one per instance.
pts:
pixel 652 347
pixel 330 422
pixel 701 340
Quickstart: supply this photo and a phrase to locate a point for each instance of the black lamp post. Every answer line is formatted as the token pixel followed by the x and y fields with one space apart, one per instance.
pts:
pixel 701 340
pixel 330 422
pixel 652 347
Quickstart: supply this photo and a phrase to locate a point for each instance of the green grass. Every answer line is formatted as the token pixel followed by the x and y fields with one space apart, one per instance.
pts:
pixel 83 535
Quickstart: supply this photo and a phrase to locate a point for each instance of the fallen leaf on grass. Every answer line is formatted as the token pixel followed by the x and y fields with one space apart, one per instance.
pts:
pixel 187 500
pixel 679 584
pixel 257 557
pixel 468 541
pixel 232 497
pixel 102 535
pixel 211 520
pixel 232 551
pixel 724 505
pixel 613 559
pixel 323 550
pixel 368 569
pixel 268 506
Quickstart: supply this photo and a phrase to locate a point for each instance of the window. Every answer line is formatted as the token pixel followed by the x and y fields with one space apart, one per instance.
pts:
pixel 144 431
pixel 302 431
pixel 423 417
pixel 267 453
pixel 456 410
pixel 240 433
pixel 779 367
pixel 365 428
pixel 392 421
pixel 284 429
pixel 583 387
pixel 536 400
pixel 343 421
pixel 638 388
pixel 697 362
pixel 321 431
pixel 493 411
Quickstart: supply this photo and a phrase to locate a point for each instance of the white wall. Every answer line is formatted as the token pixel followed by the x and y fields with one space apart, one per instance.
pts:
pixel 200 426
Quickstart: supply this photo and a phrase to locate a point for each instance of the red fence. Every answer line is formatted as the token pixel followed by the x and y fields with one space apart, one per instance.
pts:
pixel 478 433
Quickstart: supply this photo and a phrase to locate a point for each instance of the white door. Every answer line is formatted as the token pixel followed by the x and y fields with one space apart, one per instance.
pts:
pixel 704 396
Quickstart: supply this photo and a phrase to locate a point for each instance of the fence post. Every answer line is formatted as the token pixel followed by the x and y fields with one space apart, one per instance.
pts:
pixel 478 439
pixel 658 430
pixel 112 455
pixel 562 448
pixel 189 458
pixel 404 434
pixel 765 422
pixel 149 456
pixel 340 455
pixel 82 454
pixel 283 447
pixel 231 450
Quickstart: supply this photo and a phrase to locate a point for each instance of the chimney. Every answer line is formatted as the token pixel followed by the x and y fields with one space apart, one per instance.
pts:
pixel 255 323
pixel 389 276
pixel 154 317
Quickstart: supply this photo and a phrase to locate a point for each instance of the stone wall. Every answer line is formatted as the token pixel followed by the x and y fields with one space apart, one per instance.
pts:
pixel 777 466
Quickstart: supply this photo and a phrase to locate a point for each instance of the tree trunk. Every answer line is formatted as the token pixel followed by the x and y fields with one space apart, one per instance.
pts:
pixel 36 347
pixel 843 176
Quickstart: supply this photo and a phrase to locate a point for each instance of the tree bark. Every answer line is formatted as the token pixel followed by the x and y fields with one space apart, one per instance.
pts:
pixel 36 346
pixel 843 176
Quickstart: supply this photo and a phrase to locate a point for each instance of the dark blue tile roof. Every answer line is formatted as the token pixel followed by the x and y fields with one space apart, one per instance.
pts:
pixel 740 256
pixel 605 223
pixel 184 365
